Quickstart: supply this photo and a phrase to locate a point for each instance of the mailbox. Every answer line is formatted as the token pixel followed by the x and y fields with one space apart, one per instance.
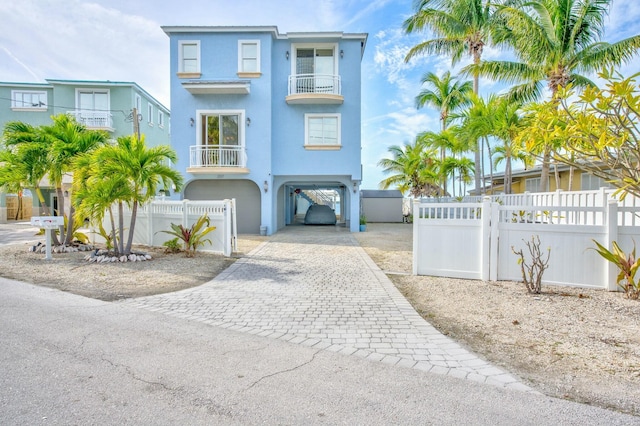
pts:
pixel 47 222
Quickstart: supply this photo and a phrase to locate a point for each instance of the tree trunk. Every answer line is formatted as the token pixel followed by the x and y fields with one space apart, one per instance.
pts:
pixel 134 213
pixel 69 237
pixel 45 208
pixel 120 241
pixel 476 157
pixel 507 175
pixel 544 173
pixel 490 163
pixel 113 233
pixel 571 172
pixel 556 175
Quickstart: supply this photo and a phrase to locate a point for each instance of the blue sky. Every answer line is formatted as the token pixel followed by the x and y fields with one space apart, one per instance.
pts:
pixel 122 40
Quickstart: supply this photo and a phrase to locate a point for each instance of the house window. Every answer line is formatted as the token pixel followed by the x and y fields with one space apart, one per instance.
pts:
pixel 189 57
pixel 322 129
pixel 28 99
pixel 220 129
pixel 532 185
pixel 589 182
pixel 92 107
pixel 249 56
pixel 150 114
pixel 138 103
pixel 160 118
pixel 315 69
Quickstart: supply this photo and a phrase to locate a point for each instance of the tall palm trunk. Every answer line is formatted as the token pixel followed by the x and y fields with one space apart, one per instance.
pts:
pixel 477 52
pixel 486 140
pixel 134 213
pixel 69 237
pixel 120 241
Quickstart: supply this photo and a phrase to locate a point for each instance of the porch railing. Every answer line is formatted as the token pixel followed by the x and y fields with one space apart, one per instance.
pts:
pixel 315 84
pixel 217 156
pixel 93 119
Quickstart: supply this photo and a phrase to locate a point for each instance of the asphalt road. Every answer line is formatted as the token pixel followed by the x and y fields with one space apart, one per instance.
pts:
pixel 65 359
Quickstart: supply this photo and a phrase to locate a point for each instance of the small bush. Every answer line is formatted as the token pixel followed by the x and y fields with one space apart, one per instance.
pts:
pixel 172 246
pixel 628 265
pixel 532 273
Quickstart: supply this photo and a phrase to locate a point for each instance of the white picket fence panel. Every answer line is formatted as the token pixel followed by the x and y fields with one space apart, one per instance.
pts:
pixel 159 214
pixel 475 239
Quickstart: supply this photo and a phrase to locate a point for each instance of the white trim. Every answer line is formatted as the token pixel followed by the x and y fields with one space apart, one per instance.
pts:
pixel 294 50
pixel 137 102
pixel 240 57
pixel 31 107
pixel 92 90
pixel 322 115
pixel 181 43
pixel 160 118
pixel 150 113
pixel 201 112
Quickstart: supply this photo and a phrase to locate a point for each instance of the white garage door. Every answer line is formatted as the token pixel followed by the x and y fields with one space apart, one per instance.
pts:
pixel 246 193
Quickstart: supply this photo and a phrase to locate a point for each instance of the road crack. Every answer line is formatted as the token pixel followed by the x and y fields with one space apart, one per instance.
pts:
pixel 313 357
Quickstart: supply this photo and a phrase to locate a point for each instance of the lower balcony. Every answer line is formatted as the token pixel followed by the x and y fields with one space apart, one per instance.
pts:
pixel 95 120
pixel 315 89
pixel 217 159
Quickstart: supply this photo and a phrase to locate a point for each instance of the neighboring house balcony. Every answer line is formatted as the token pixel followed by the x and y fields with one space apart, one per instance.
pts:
pixel 95 120
pixel 315 89
pixel 217 159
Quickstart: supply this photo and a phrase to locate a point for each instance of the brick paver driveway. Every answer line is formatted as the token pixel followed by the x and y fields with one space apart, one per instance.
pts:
pixel 315 286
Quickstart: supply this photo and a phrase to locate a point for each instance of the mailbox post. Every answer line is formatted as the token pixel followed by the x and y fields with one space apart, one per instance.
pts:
pixel 48 223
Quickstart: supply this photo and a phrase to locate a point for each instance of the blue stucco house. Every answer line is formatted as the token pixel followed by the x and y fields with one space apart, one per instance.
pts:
pixel 270 119
pixel 99 105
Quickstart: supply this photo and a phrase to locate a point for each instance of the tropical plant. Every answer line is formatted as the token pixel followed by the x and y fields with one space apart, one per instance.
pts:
pixel 628 265
pixel 554 41
pixel 415 170
pixel 363 220
pixel 67 140
pixel 460 27
pixel 172 245
pixel 129 173
pixel 192 237
pixel 598 131
pixel 23 160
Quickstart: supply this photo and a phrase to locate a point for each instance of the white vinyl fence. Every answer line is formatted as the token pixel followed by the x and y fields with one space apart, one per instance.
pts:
pixel 475 239
pixel 159 214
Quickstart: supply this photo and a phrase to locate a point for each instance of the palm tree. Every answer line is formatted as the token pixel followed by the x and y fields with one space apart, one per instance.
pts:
pixel 460 26
pixel 415 170
pixel 554 41
pixel 507 125
pixel 141 170
pixel 23 160
pixel 67 141
pixel 447 95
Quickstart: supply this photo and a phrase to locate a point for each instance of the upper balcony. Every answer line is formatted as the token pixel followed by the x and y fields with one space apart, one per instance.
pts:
pixel 217 159
pixel 94 120
pixel 315 89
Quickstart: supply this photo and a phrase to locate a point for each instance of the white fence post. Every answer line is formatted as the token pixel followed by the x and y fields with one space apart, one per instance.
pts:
pixel 611 271
pixel 226 239
pixel 185 213
pixel 150 222
pixel 485 239
pixel 495 243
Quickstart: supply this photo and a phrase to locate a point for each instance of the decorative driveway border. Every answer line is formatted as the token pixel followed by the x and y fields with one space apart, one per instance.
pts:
pixel 317 287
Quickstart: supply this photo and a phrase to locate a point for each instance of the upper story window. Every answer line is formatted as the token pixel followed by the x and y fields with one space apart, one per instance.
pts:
pixel 322 131
pixel 220 128
pixel 150 114
pixel 93 100
pixel 138 102
pixel 320 59
pixel 189 57
pixel 160 118
pixel 29 99
pixel 248 57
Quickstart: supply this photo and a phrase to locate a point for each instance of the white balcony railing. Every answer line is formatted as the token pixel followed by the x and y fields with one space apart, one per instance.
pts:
pixel 217 156
pixel 315 84
pixel 93 119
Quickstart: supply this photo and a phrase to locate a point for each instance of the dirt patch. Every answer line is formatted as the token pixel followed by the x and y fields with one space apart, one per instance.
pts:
pixel 571 343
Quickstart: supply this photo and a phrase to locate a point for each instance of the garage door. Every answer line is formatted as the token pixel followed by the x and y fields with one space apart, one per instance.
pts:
pixel 246 193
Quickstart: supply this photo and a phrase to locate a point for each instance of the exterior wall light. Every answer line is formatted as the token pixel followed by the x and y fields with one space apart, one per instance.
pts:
pixel 355 187
pixel 341 53
pixel 287 55
pixel 192 121
pixel 248 121
pixel 265 186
